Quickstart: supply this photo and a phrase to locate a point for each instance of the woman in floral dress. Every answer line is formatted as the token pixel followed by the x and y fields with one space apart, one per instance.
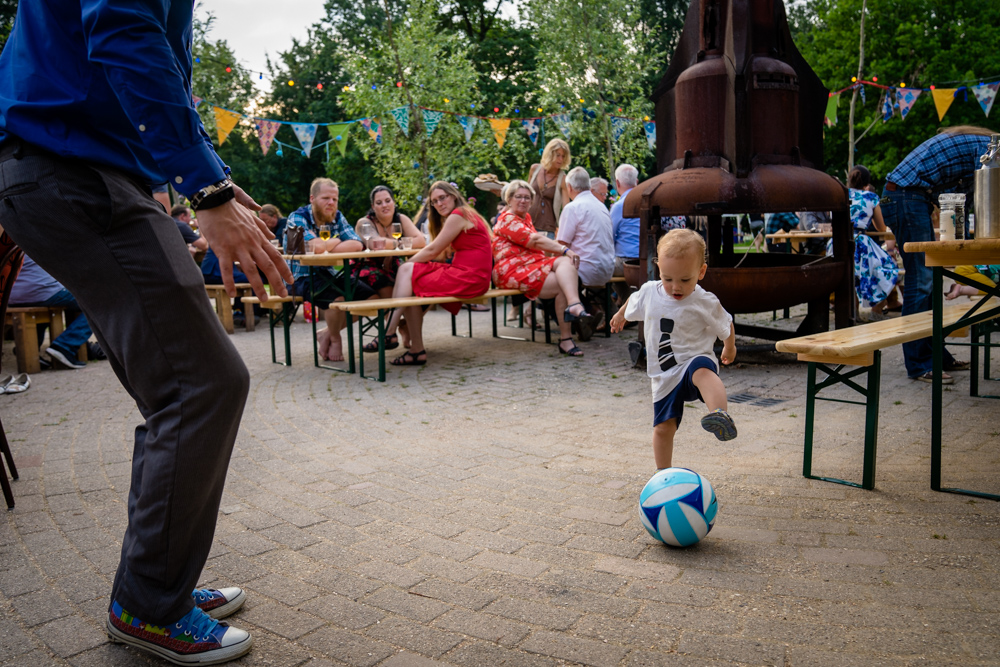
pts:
pixel 520 262
pixel 874 269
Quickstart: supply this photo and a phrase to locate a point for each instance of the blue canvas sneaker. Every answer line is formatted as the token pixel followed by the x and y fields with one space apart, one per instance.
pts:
pixel 219 603
pixel 720 424
pixel 196 639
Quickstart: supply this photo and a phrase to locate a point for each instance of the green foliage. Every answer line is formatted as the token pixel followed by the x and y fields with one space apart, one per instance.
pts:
pixel 435 72
pixel 917 42
pixel 597 51
pixel 8 10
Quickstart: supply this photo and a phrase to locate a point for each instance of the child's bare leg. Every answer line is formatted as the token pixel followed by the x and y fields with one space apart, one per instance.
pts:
pixel 713 392
pixel 663 442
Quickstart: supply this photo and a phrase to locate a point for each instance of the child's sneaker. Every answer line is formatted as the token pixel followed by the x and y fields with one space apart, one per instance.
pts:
pixel 719 423
pixel 196 639
pixel 219 603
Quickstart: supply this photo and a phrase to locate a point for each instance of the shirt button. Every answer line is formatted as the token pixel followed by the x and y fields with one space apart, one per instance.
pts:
pixel 142 128
pixel 178 180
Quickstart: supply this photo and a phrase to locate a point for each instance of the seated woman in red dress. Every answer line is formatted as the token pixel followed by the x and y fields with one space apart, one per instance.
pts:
pixel 521 263
pixel 454 223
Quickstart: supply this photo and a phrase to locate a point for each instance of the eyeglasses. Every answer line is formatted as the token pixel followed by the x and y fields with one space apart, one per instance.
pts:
pixel 440 200
pixel 523 197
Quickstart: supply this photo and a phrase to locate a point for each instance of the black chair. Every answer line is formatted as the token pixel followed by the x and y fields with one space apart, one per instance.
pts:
pixel 10 265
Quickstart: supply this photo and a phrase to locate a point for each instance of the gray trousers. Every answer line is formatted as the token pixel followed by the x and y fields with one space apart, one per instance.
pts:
pixel 108 242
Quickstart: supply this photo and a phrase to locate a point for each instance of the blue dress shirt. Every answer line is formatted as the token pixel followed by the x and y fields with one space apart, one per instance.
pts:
pixel 626 230
pixel 941 160
pixel 108 82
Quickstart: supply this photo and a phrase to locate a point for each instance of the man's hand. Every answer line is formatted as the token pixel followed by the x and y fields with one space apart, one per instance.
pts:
pixel 238 236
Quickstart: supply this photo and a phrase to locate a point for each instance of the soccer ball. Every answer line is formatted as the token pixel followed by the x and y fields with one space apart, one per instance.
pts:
pixel 678 506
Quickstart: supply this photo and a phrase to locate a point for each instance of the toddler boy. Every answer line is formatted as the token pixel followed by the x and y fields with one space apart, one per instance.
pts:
pixel 682 322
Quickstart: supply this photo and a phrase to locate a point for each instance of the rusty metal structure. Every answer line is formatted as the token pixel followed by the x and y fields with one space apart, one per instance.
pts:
pixel 739 117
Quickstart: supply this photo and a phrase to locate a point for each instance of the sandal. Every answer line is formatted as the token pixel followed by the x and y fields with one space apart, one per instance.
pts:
pixel 928 377
pixel 410 359
pixel 570 317
pixel 573 351
pixel 391 343
pixel 957 365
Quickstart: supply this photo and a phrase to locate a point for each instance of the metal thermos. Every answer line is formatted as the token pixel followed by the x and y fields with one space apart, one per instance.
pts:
pixel 987 182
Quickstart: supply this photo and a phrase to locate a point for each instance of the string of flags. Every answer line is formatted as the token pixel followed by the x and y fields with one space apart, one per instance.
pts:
pixel 900 99
pixel 227 119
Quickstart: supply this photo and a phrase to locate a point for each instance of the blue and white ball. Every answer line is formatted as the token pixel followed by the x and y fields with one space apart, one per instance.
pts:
pixel 678 506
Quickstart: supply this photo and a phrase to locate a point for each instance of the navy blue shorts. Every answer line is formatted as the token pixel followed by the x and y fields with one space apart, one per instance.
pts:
pixel 671 406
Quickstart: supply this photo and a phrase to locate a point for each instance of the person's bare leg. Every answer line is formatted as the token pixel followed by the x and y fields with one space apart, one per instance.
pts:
pixel 553 288
pixel 713 392
pixel 402 289
pixel 335 321
pixel 663 443
pixel 568 279
pixel 415 323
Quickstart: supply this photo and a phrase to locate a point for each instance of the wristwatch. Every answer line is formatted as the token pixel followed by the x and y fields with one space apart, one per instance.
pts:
pixel 213 195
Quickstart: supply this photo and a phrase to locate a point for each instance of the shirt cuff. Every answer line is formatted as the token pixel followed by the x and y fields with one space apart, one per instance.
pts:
pixel 193 169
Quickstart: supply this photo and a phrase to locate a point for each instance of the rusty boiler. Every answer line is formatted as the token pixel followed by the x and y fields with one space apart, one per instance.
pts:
pixel 739 118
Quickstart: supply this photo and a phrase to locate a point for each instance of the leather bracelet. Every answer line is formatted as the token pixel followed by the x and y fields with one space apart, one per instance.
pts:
pixel 216 198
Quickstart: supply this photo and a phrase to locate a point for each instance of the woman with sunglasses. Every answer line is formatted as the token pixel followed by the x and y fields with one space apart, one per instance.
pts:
pixel 455 224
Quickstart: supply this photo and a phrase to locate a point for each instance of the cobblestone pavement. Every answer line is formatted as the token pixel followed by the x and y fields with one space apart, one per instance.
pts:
pixel 481 510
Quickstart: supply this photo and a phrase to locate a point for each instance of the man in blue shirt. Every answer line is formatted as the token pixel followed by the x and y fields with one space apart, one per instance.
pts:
pixel 625 230
pixel 943 163
pixel 95 106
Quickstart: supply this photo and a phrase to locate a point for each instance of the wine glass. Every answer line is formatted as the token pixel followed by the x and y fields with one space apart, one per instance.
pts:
pixel 396 230
pixel 324 232
pixel 366 230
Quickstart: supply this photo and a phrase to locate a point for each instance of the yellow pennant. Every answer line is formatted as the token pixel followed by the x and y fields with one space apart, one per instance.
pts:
pixel 225 121
pixel 943 97
pixel 500 126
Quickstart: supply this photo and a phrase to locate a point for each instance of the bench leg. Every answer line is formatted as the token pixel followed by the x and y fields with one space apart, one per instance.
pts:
pixel 248 314
pixel 26 340
pixel 871 421
pixel 224 308
pixel 807 447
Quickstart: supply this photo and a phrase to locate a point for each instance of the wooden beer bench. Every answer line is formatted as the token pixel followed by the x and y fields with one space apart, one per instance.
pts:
pixel 861 346
pixel 224 306
pixel 25 321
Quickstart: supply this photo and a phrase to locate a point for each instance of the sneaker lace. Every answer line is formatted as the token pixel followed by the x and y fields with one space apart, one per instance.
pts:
pixel 199 624
pixel 202 595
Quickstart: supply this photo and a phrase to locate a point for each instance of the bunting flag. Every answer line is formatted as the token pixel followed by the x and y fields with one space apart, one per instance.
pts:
pixel 589 113
pixel 402 116
pixel 468 124
pixel 650 128
pixel 986 94
pixel 864 100
pixel 431 120
pixel 618 125
pixel 943 97
pixel 195 101
pixel 374 129
pixel 905 97
pixel 562 122
pixel 831 109
pixel 266 129
pixel 887 105
pixel 306 134
pixel 225 121
pixel 500 126
pixel 532 126
pixel 338 133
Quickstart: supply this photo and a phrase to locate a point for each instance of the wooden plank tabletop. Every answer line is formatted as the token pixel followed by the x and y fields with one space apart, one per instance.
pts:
pixel 860 340
pixel 371 307
pixel 805 236
pixel 337 258
pixel 954 253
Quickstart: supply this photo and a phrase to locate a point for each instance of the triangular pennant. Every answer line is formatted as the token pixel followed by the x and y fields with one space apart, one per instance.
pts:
pixel 374 129
pixel 562 122
pixel 650 128
pixel 861 88
pixel 831 109
pixel 943 97
pixel 306 134
pixel 225 121
pixel 266 129
pixel 618 125
pixel 905 97
pixel 195 101
pixel 468 124
pixel 500 126
pixel 402 116
pixel 986 94
pixel 589 113
pixel 431 120
pixel 339 134
pixel 531 126
pixel 887 105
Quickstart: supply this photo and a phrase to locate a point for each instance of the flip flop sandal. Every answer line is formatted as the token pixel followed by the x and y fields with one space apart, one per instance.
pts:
pixel 391 343
pixel 18 384
pixel 409 359
pixel 571 352
pixel 957 366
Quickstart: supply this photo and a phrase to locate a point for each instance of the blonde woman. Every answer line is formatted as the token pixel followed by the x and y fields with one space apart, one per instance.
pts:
pixel 548 180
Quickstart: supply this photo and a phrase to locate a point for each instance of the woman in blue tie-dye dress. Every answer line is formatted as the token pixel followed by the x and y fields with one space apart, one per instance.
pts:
pixel 875 271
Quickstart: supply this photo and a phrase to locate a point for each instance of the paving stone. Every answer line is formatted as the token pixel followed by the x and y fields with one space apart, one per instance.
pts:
pixel 281 620
pixel 347 647
pixel 506 563
pixel 412 606
pixel 464 596
pixel 41 607
pixel 343 611
pixel 404 659
pixel 537 613
pixel 70 635
pixel 484 626
pixel 733 648
pixel 482 653
pixel 574 649
pixel 414 636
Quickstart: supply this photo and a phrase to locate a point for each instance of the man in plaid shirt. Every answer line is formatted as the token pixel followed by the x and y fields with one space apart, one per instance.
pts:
pixel 943 163
pixel 324 197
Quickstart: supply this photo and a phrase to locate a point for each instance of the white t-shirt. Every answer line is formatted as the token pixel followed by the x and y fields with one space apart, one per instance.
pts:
pixel 676 331
pixel 585 226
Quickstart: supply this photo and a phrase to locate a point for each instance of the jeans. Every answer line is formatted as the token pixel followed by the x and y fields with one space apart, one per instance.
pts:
pixel 78 331
pixel 908 214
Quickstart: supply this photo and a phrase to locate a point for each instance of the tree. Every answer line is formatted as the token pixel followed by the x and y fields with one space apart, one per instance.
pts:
pixel 948 43
pixel 413 64
pixel 593 61
pixel 8 10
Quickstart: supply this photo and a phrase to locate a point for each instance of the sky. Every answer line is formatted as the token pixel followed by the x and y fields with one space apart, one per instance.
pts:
pixel 256 29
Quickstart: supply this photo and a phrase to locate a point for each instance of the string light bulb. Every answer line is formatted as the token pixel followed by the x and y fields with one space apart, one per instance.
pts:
pixel 875 79
pixel 932 87
pixel 228 69
pixel 291 83
pixel 446 100
pixel 902 84
pixel 399 84
pixel 854 79
pixel 319 86
pixel 496 109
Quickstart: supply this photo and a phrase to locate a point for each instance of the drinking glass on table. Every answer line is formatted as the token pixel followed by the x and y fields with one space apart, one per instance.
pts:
pixel 396 230
pixel 406 243
pixel 324 232
pixel 366 230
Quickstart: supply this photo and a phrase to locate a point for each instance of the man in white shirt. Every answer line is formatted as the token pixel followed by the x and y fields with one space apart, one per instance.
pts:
pixel 585 227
